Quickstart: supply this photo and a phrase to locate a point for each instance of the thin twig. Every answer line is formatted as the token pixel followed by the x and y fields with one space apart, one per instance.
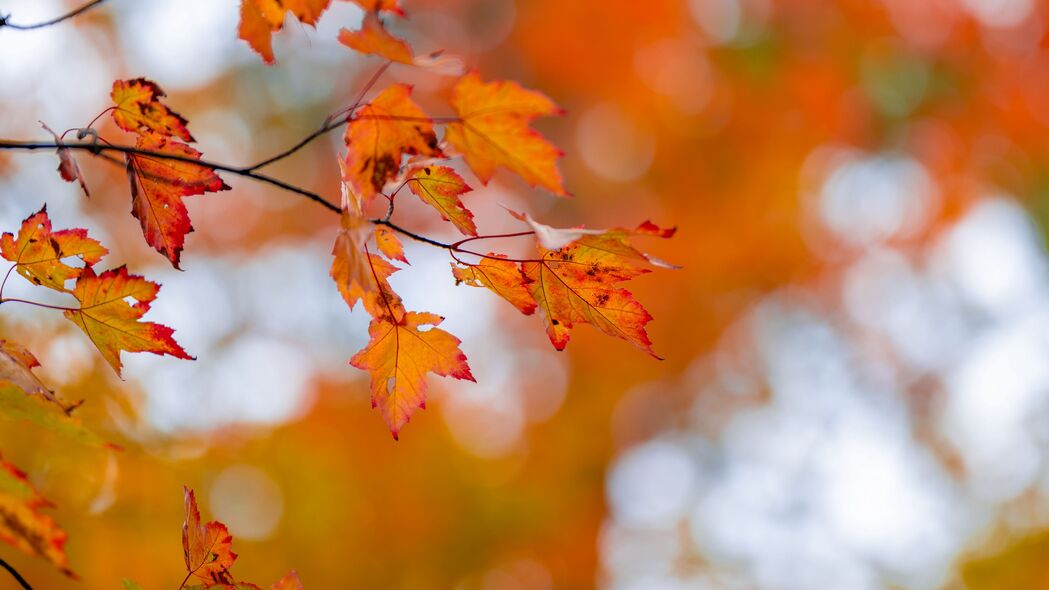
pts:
pixel 95 148
pixel 14 574
pixel 333 122
pixel 126 149
pixel 38 304
pixel 6 23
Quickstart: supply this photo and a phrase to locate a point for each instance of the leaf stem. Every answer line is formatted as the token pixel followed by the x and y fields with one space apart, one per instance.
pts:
pixel 14 574
pixel 5 23
pixel 38 304
pixel 7 275
pixel 492 237
pixel 454 246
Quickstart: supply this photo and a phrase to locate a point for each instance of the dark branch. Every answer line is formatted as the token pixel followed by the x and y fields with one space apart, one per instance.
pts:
pixel 332 122
pixel 6 23
pixel 14 574
pixel 95 148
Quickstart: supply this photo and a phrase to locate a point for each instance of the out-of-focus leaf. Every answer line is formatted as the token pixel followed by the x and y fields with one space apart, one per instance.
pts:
pixel 21 523
pixel 373 38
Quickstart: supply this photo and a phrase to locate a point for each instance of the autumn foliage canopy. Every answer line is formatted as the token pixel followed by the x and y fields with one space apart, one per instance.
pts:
pixel 393 149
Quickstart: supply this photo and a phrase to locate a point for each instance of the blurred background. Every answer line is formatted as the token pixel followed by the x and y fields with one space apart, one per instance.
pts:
pixel 856 387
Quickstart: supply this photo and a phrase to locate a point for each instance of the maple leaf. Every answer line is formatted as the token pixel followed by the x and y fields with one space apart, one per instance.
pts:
pixel 389 244
pixel 380 6
pixel 112 323
pixel 358 273
pixel 158 186
pixel 21 523
pixel 494 131
pixel 138 108
pixel 440 187
pixel 207 548
pixel 15 405
pixel 399 356
pixel 577 284
pixel 380 134
pixel 502 277
pixel 290 581
pixel 259 19
pixel 373 38
pixel 68 169
pixel 16 368
pixel 38 252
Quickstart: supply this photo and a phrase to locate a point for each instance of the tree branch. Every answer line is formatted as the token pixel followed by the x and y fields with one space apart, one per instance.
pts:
pixel 5 23
pixel 95 148
pixel 14 574
pixel 332 122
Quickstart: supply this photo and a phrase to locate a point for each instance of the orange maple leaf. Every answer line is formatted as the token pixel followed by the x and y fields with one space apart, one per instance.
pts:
pixel 21 523
pixel 389 244
pixel 112 323
pixel 259 19
pixel 577 284
pixel 207 547
pixel 138 108
pixel 502 277
pixel 493 131
pixel 399 356
pixel 158 186
pixel 440 187
pixel 16 368
pixel 380 6
pixel 39 254
pixel 290 581
pixel 380 134
pixel 357 272
pixel 373 38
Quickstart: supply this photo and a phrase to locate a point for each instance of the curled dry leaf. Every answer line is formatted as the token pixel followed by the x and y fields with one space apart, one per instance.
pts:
pixel 577 284
pixel 553 238
pixel 68 169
